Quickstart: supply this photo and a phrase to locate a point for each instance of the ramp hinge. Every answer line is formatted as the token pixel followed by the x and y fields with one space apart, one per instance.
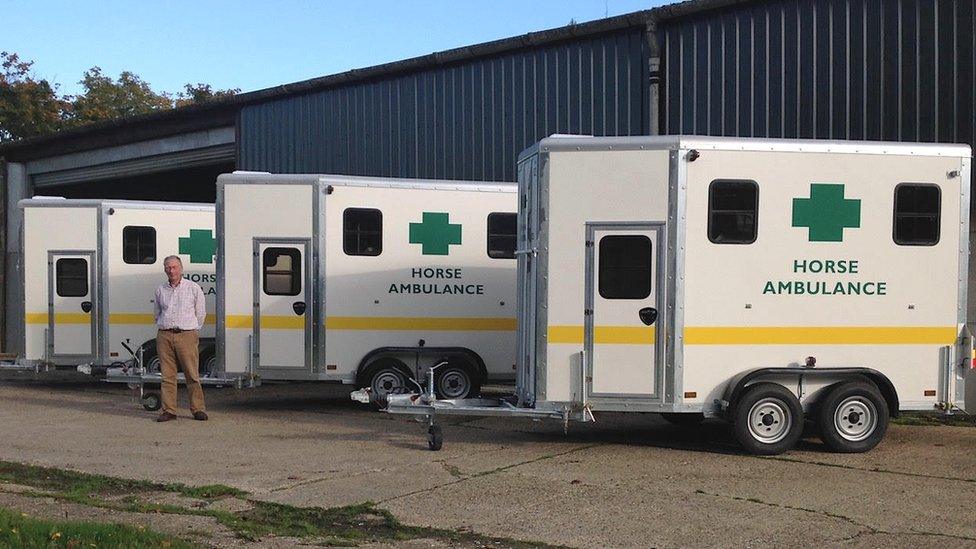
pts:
pixel 587 312
pixel 589 243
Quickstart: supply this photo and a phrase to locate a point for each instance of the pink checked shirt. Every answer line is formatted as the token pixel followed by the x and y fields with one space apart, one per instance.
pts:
pixel 182 307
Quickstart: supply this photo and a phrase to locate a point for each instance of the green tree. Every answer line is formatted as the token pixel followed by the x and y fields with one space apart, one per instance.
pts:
pixel 28 106
pixel 105 98
pixel 199 93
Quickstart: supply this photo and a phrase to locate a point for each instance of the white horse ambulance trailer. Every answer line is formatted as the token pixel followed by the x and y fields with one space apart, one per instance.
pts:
pixel 767 282
pixel 90 271
pixel 366 280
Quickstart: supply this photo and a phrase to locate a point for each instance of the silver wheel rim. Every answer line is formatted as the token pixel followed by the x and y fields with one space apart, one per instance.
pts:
pixel 770 420
pixel 453 384
pixel 855 419
pixel 209 366
pixel 387 380
pixel 154 365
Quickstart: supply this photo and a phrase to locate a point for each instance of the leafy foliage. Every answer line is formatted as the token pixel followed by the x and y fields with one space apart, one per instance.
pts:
pixel 32 106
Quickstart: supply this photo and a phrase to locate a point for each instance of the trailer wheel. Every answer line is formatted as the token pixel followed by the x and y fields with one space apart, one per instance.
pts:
pixel 684 420
pixel 435 438
pixel 385 376
pixel 208 365
pixel 151 401
pixel 768 419
pixel 454 382
pixel 151 363
pixel 853 417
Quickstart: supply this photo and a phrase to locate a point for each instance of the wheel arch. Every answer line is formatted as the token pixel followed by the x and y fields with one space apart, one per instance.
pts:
pixel 738 384
pixel 473 358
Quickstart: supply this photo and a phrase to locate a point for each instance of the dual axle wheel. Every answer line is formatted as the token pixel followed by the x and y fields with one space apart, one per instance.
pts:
pixel 852 417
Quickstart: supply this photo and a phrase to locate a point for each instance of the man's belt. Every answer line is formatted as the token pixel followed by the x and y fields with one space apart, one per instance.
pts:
pixel 175 330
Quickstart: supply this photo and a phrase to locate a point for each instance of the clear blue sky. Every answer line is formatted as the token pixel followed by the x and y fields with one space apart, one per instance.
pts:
pixel 254 45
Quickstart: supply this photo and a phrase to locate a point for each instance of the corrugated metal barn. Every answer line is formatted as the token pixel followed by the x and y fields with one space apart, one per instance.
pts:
pixel 901 70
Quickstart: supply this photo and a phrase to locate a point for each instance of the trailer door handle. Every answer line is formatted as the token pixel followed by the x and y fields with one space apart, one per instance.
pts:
pixel 86 306
pixel 647 315
pixel 298 307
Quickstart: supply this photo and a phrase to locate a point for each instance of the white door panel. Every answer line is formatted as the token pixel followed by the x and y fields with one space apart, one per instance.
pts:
pixel 621 335
pixel 283 299
pixel 72 310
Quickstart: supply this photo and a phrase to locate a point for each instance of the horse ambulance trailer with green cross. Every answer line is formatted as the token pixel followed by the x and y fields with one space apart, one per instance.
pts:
pixel 91 268
pixel 766 282
pixel 366 280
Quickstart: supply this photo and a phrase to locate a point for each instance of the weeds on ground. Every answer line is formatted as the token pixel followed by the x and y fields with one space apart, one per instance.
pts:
pixel 935 419
pixel 337 526
pixel 20 530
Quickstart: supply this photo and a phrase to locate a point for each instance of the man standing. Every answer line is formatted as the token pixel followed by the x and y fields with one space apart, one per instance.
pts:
pixel 180 311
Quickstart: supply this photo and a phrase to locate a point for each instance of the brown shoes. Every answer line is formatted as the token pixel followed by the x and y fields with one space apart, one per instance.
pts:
pixel 166 416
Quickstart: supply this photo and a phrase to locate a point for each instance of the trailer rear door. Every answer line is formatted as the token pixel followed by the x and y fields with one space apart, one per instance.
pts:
pixel 282 293
pixel 624 292
pixel 72 307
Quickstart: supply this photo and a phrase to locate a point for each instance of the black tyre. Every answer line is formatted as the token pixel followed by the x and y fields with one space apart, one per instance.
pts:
pixel 684 420
pixel 385 376
pixel 453 382
pixel 435 438
pixel 208 365
pixel 852 417
pixel 768 419
pixel 151 401
pixel 151 363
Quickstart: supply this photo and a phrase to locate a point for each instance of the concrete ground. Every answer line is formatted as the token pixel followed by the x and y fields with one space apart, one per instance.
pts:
pixel 628 480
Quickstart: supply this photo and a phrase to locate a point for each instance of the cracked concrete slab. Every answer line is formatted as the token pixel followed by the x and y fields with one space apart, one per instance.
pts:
pixel 627 480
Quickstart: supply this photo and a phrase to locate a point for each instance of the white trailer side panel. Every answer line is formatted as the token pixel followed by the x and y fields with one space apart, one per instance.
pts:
pixel 188 234
pixel 457 297
pixel 905 311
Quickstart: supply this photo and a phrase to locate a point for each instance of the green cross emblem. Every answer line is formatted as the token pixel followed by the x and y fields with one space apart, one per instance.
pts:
pixel 826 213
pixel 200 246
pixel 435 234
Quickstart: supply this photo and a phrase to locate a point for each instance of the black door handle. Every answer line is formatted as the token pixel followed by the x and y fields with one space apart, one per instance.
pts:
pixel 298 307
pixel 86 306
pixel 647 315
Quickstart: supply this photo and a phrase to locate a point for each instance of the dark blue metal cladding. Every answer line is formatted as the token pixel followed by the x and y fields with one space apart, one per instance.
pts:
pixel 464 121
pixel 900 70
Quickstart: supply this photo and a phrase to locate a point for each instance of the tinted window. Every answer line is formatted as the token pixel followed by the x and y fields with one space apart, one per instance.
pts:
pixel 733 211
pixel 139 245
pixel 917 211
pixel 282 271
pixel 362 231
pixel 502 228
pixel 71 277
pixel 625 267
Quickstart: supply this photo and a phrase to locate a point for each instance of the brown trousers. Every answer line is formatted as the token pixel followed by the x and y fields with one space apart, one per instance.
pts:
pixel 184 349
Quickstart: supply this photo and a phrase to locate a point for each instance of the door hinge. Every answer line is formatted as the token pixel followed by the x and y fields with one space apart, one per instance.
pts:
pixel 589 243
pixel 587 312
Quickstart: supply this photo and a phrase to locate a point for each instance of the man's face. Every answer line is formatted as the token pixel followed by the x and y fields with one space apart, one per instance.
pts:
pixel 174 270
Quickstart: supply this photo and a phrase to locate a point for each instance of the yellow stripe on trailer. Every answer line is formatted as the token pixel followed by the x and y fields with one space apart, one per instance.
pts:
pixel 820 335
pixel 767 335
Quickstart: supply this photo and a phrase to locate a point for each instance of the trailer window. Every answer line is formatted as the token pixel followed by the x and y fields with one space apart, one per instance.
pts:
pixel 282 271
pixel 917 214
pixel 139 245
pixel 71 277
pixel 625 267
pixel 733 211
pixel 501 235
pixel 362 231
